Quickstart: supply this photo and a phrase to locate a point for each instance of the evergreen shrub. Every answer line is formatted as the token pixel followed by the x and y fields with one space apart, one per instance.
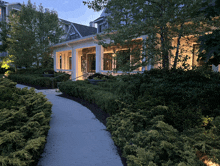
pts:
pixel 91 93
pixel 146 139
pixel 24 124
pixel 38 80
pixel 175 116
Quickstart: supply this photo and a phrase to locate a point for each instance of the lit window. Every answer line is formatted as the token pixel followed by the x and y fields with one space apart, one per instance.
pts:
pixel 60 62
pixel 107 61
pixel 70 63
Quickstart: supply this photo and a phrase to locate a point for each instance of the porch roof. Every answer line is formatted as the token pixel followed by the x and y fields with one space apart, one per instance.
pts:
pixel 82 39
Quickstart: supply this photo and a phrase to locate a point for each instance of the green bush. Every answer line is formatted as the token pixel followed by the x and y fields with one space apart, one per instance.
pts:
pixel 34 80
pixel 33 71
pixel 146 138
pixel 38 79
pixel 91 93
pixel 24 124
pixel 159 117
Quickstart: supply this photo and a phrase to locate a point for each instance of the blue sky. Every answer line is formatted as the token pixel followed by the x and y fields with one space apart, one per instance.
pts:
pixel 70 10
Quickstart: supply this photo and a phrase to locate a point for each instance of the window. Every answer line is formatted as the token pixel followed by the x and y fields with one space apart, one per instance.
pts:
pixel 60 62
pixel 83 63
pixel 91 63
pixel 125 58
pixel 70 63
pixel 107 62
pixel 100 28
pixel 0 13
pixel 195 56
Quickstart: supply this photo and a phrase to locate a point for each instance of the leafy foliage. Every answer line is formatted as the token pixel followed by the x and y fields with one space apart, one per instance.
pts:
pixel 94 94
pixel 160 117
pixel 158 22
pixel 209 47
pixel 32 31
pixel 24 124
pixel 37 79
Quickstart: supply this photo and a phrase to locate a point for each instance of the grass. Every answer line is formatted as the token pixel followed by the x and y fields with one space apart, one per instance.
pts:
pixel 1 75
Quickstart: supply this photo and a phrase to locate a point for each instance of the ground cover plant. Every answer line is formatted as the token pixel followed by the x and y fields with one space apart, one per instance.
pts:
pixel 24 124
pixel 161 117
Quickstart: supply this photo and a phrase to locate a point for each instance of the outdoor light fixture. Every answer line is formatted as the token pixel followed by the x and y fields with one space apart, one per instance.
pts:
pixel 113 55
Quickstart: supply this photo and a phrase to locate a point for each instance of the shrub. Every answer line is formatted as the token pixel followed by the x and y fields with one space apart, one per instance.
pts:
pixel 146 138
pixel 98 75
pixel 24 125
pixel 38 80
pixel 91 93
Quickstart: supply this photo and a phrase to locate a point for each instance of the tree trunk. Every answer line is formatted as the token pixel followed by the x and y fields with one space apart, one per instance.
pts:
pixel 177 49
pixel 165 53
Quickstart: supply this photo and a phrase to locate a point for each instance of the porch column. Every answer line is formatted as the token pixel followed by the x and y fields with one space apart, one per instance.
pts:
pixel 55 61
pixel 216 68
pixel 74 64
pixel 99 55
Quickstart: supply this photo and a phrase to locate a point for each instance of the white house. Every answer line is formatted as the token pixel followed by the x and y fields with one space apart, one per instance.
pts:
pixel 81 55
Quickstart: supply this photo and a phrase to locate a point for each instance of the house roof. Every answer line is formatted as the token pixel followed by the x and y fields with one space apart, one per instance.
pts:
pixel 82 29
pixel 85 30
pixel 99 19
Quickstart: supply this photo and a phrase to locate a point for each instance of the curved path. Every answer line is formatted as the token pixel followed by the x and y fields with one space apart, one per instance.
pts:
pixel 76 137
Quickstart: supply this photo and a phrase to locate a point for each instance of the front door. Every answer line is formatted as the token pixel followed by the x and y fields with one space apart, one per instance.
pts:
pixel 91 63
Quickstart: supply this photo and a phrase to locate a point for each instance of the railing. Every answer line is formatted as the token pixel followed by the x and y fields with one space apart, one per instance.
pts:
pixel 86 75
pixel 52 79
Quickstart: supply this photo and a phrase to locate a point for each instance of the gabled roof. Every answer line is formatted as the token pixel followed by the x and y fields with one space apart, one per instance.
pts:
pixel 82 29
pixel 66 22
pixel 85 30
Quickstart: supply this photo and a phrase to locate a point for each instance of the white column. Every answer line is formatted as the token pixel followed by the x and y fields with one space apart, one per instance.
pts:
pixel 55 61
pixel 74 64
pixel 215 68
pixel 99 55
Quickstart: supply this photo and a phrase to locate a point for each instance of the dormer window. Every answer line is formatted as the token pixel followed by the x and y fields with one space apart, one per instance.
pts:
pixel 72 31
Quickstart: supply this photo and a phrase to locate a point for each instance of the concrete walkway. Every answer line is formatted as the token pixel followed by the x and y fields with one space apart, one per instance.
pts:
pixel 76 137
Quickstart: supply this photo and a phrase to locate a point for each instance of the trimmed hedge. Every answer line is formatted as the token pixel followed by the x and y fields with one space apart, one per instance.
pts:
pixel 92 93
pixel 24 124
pixel 160 117
pixel 38 80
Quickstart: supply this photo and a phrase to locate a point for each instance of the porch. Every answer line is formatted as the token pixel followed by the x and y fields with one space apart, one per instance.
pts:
pixel 83 62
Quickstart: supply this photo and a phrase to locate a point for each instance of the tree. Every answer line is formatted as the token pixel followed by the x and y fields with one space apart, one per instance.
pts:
pixel 160 20
pixel 32 32
pixel 210 43
pixel 4 35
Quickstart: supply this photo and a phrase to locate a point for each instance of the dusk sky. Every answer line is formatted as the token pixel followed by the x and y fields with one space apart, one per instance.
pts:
pixel 70 10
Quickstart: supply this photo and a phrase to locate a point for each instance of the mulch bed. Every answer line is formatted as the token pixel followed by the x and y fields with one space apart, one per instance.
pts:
pixel 98 112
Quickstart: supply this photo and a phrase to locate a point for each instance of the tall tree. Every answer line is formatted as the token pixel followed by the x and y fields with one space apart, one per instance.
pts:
pixel 5 28
pixel 210 43
pixel 32 32
pixel 160 20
